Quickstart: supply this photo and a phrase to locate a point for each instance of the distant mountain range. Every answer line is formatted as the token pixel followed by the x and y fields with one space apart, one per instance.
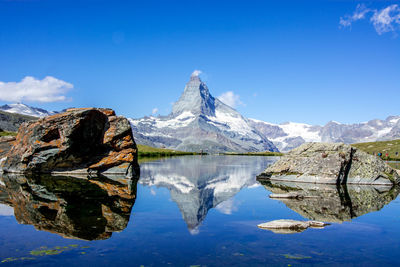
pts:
pixel 199 121
pixel 289 135
pixel 23 109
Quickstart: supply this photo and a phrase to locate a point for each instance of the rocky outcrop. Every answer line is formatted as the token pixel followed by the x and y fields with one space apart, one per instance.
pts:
pixel 86 140
pixel 335 163
pixel 88 209
pixel 332 203
pixel 285 226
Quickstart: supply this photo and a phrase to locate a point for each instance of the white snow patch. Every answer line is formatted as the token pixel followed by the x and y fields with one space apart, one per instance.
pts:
pixel 233 122
pixel 26 110
pixel 181 183
pixel 394 121
pixel 260 121
pixel 383 132
pixel 293 129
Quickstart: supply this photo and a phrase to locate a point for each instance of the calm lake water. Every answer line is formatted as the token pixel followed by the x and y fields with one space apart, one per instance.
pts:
pixel 193 211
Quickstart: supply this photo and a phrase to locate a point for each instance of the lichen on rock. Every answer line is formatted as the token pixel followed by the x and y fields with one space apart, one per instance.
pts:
pixel 83 140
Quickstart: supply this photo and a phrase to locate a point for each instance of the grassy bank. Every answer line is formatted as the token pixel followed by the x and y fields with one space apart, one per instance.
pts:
pixel 5 133
pixel 148 151
pixel 266 153
pixel 390 147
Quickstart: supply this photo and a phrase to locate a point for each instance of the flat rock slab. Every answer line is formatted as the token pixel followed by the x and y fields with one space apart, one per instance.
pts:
pixel 285 226
pixel 292 195
pixel 331 163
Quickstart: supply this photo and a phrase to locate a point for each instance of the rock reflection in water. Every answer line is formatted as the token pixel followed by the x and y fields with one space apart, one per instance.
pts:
pixel 80 208
pixel 330 203
pixel 198 184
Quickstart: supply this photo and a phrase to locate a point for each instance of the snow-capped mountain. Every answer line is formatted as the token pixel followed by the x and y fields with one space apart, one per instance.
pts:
pixel 199 121
pixel 23 109
pixel 287 136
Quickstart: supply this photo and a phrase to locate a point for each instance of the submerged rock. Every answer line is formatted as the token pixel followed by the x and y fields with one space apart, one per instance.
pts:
pixel 290 226
pixel 86 140
pixel 331 164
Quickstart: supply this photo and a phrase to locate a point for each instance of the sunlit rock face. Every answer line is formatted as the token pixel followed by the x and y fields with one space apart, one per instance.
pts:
pixel 329 203
pixel 72 207
pixel 200 185
pixel 84 140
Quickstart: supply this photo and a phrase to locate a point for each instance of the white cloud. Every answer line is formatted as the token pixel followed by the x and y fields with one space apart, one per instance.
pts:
pixel 231 99
pixel 227 207
pixel 29 89
pixel 360 13
pixel 387 19
pixel 196 73
pixel 154 111
pixel 384 20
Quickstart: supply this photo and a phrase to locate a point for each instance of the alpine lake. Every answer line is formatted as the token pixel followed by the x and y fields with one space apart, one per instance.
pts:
pixel 193 211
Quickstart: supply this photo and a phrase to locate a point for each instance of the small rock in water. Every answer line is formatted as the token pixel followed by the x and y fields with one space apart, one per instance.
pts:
pixel 285 226
pixel 287 196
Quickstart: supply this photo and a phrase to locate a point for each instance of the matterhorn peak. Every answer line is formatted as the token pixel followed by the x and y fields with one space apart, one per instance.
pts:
pixel 195 98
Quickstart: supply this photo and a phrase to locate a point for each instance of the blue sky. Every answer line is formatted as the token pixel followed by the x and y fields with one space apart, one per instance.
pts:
pixel 283 60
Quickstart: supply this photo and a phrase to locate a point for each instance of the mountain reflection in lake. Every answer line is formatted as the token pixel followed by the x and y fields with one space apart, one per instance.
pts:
pixel 193 210
pixel 196 186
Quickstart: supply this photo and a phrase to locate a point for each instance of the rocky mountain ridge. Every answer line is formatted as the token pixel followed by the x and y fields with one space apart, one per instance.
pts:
pixel 23 109
pixel 289 135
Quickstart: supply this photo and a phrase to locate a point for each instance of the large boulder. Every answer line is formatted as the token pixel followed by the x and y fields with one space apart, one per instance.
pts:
pixel 331 163
pixel 85 140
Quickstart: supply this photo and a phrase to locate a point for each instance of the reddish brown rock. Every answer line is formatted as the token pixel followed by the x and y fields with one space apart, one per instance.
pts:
pixel 84 140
